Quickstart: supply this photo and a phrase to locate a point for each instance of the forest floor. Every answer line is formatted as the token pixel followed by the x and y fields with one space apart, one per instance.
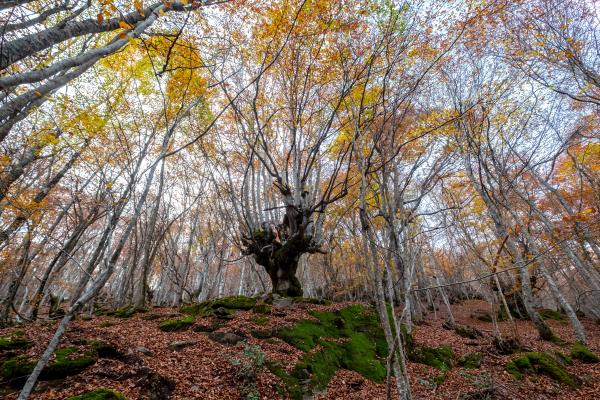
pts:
pixel 144 362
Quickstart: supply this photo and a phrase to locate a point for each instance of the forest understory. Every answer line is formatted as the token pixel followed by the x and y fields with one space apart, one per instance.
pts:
pixel 232 353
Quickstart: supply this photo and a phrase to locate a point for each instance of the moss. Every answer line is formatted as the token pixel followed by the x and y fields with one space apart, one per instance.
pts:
pixel 223 307
pixel 14 342
pixel 308 300
pixel 16 369
pixel 63 365
pixel 99 394
pixel 262 308
pixel 261 320
pixel 467 331
pixel 291 385
pixel 104 349
pixel 540 363
pixel 437 357
pixel 350 338
pixel 172 325
pixel 564 359
pixel 123 312
pixel 105 324
pixel 471 360
pixel 506 345
pixel 582 353
pixel 547 314
pixel 235 303
pixel 512 369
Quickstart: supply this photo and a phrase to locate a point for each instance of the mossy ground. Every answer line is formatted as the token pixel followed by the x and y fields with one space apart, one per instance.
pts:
pixel 471 360
pixel 350 338
pixel 14 342
pixel 437 357
pixel 99 394
pixel 553 315
pixel 541 363
pixel 16 369
pixel 220 307
pixel 172 325
pixel 582 353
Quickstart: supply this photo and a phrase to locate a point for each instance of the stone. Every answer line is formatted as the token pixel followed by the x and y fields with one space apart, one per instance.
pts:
pixel 178 345
pixel 226 337
pixel 282 302
pixel 144 350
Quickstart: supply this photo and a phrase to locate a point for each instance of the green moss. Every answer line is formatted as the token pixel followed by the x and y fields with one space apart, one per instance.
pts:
pixel 350 338
pixel 105 324
pixel 104 349
pixel 565 359
pixel 221 307
pixel 262 308
pixel 64 365
pixel 291 385
pixel 512 369
pixel 172 325
pixel 471 360
pixel 14 342
pixel 437 357
pixel 235 303
pixel 553 315
pixel 467 331
pixel 123 312
pixel 16 369
pixel 540 363
pixel 99 394
pixel 582 353
pixel 261 320
pixel 308 300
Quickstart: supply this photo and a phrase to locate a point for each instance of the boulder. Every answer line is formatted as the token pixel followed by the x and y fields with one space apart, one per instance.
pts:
pixel 226 337
pixel 178 345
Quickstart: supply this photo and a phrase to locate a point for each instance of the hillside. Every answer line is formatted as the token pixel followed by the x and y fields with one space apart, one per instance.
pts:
pixel 233 348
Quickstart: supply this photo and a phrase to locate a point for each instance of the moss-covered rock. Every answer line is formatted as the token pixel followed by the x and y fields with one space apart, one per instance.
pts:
pixel 123 312
pixel 104 349
pixel 506 345
pixel 172 325
pixel 223 307
pixel 14 342
pixel 541 363
pixel 235 302
pixel 471 360
pixel 15 370
pixel 582 353
pixel 467 331
pixel 350 338
pixel 99 394
pixel 437 357
pixel 262 308
pixel 554 315
pixel 309 300
pixel 261 320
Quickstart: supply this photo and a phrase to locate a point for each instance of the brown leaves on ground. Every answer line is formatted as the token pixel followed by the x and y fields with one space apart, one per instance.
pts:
pixel 204 370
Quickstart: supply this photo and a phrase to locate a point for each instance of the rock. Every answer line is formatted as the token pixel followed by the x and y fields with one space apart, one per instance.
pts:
pixel 178 345
pixel 144 350
pixel 226 337
pixel 283 302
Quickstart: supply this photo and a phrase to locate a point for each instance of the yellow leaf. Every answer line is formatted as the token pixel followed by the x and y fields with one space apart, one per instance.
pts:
pixel 124 25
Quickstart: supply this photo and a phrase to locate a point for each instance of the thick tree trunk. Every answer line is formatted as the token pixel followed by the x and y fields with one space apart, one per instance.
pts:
pixel 283 278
